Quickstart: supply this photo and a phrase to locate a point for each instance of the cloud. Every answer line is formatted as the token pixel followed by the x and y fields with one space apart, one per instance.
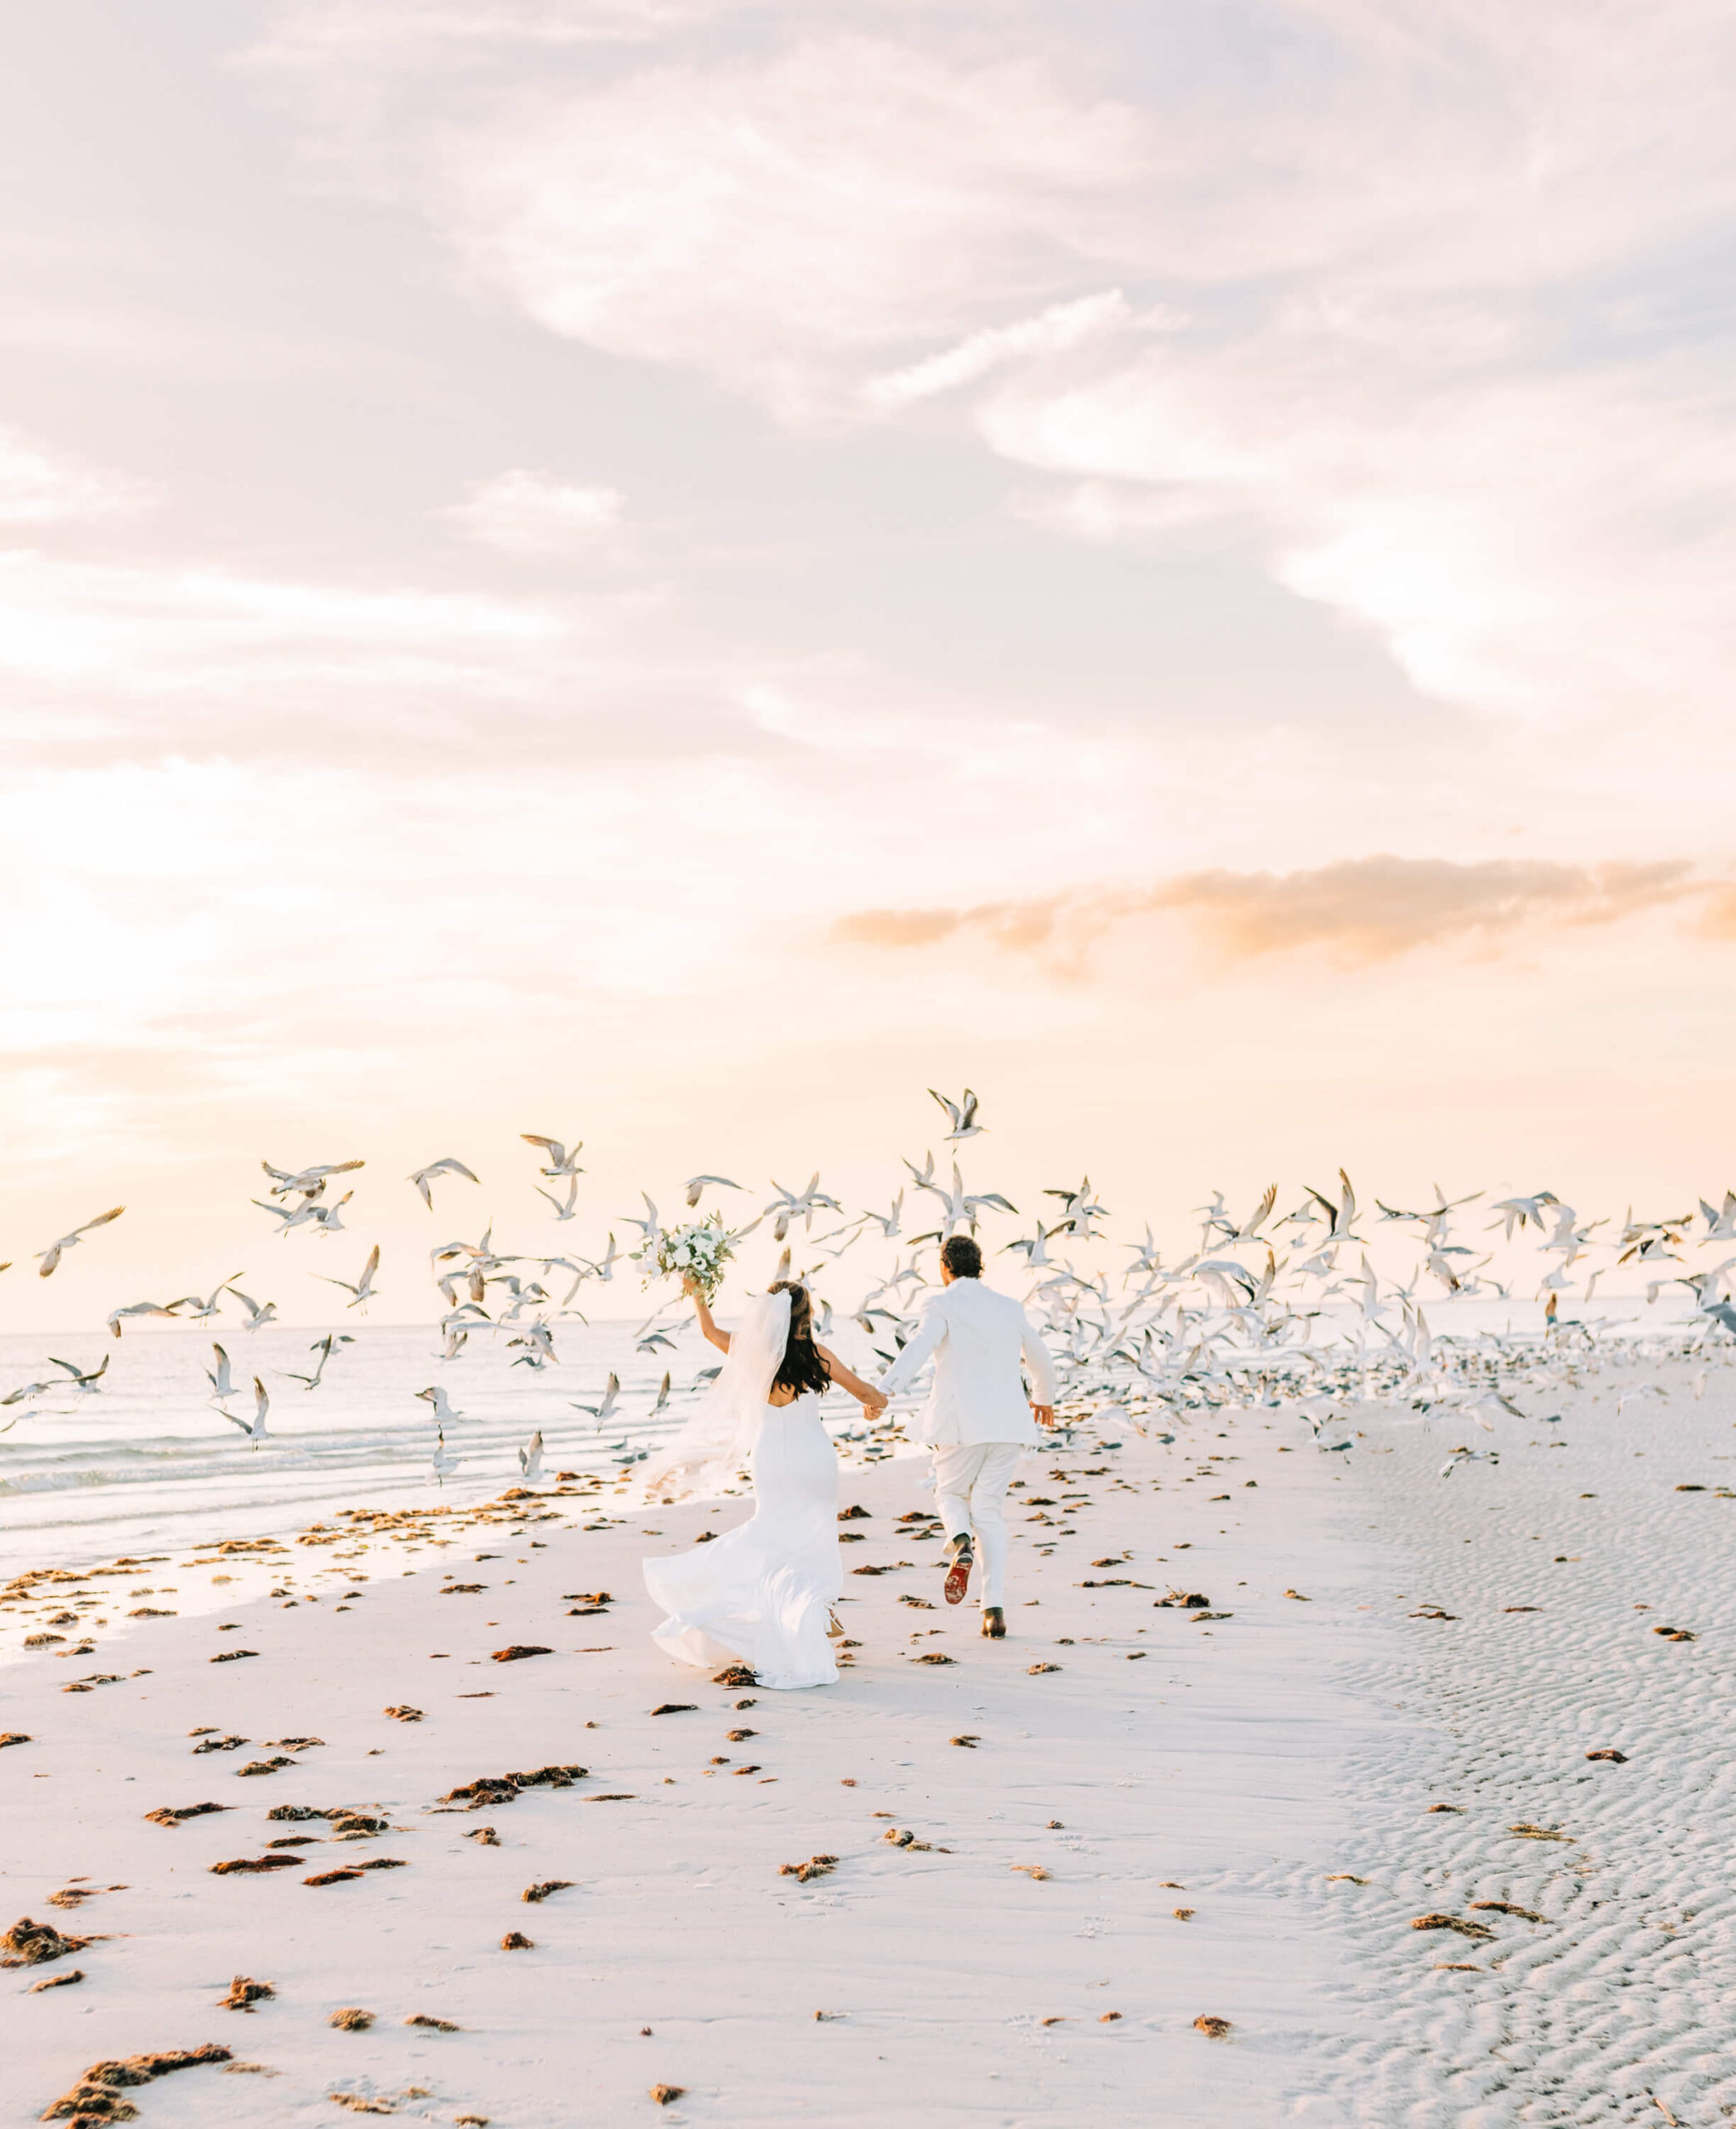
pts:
pixel 1370 909
pixel 1553 547
pixel 137 631
pixel 340 31
pixel 1479 407
pixel 765 219
pixel 526 513
pixel 1717 919
pixel 1359 911
pixel 1062 326
pixel 38 487
pixel 1457 406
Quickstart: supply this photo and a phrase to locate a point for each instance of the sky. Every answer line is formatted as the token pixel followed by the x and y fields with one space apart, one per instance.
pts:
pixel 679 572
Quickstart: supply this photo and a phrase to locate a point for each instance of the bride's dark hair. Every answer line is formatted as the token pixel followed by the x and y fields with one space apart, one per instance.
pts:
pixel 801 1368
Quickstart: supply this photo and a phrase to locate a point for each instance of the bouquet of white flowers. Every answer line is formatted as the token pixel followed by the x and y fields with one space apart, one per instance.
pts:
pixel 701 1249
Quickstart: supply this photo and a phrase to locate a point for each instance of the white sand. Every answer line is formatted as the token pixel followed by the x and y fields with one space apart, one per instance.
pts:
pixel 1621 1998
pixel 1245 1759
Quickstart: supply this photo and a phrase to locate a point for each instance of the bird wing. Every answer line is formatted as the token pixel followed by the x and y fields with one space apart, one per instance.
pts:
pixel 1262 1212
pixel 1326 1206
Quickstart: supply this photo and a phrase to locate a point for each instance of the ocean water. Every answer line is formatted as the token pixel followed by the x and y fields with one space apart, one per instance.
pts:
pixel 144 1460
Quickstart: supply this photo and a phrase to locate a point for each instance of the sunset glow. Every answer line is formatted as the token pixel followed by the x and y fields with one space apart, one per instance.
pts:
pixel 682 573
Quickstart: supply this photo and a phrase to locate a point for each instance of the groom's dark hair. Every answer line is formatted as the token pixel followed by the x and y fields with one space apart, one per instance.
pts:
pixel 961 1256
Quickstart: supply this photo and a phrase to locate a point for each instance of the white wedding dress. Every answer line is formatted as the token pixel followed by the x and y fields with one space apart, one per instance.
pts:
pixel 761 1594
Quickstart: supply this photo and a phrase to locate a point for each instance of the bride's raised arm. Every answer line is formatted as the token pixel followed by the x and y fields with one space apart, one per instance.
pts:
pixel 702 1309
pixel 865 1394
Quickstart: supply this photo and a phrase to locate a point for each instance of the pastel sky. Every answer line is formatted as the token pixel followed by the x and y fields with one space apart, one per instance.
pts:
pixel 675 572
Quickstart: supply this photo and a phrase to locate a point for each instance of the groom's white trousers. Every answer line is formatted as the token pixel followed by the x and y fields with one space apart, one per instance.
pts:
pixel 970 1486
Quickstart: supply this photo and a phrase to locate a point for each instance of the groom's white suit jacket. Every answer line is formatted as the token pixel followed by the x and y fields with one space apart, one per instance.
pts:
pixel 976 1337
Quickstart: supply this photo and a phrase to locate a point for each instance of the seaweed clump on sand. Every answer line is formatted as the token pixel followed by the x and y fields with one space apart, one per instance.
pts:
pixel 94 2099
pixel 34 1943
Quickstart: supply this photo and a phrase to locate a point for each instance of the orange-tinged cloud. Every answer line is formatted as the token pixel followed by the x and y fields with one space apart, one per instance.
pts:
pixel 1360 910
pixel 1718 918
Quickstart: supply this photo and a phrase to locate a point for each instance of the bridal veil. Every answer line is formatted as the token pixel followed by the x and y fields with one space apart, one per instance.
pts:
pixel 718 1439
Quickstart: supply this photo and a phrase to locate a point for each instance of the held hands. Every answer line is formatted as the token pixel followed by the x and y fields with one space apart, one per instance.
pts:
pixel 1044 1415
pixel 873 1404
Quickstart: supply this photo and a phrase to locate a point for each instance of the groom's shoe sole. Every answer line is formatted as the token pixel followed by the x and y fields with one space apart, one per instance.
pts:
pixel 958 1577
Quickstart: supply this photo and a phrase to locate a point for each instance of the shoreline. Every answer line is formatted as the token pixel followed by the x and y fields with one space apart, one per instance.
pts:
pixel 149 1465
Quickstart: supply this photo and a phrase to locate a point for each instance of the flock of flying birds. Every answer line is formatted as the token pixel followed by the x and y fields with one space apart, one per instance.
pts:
pixel 1273 1310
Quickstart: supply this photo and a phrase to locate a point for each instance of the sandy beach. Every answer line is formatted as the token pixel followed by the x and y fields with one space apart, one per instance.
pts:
pixel 1159 1815
pixel 731 723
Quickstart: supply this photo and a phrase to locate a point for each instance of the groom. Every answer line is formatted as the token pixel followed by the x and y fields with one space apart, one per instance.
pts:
pixel 978 1420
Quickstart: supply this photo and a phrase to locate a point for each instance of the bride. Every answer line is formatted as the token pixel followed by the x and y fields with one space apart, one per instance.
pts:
pixel 762 1593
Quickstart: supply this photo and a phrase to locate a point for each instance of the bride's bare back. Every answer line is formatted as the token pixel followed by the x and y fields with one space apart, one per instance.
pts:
pixel 843 1378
